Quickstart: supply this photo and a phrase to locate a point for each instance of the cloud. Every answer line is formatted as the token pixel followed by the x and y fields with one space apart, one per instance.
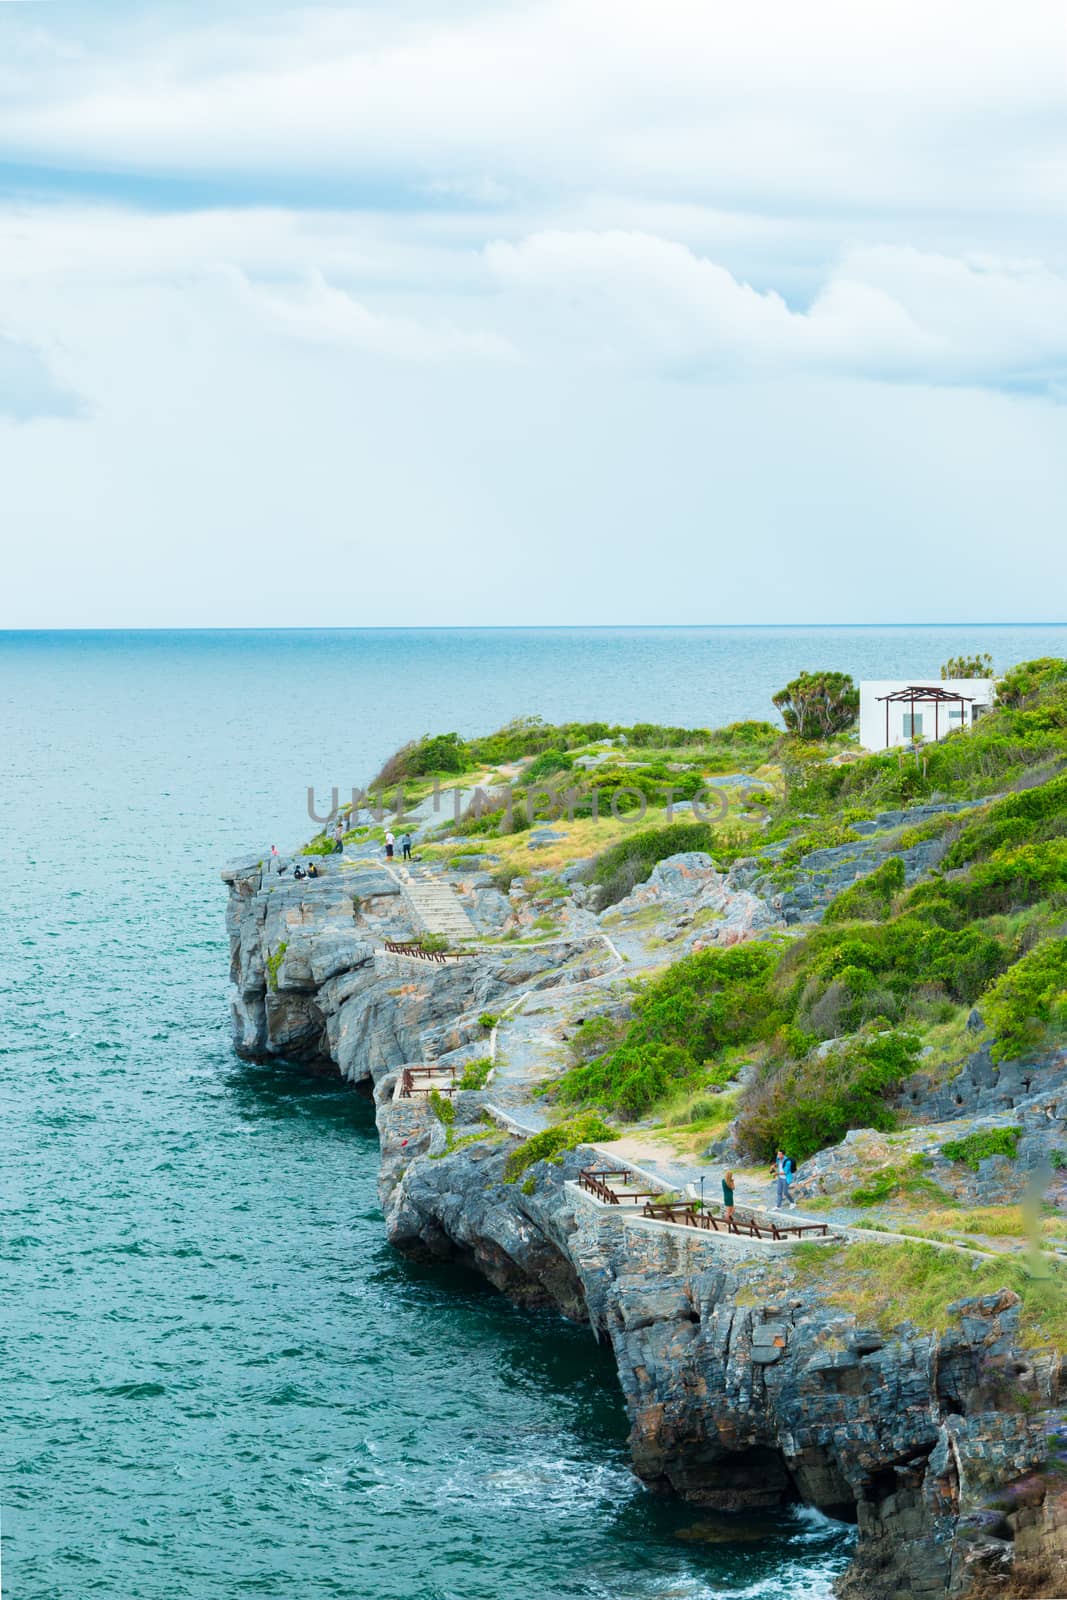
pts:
pixel 954 109
pixel 28 388
pixel 886 313
pixel 323 314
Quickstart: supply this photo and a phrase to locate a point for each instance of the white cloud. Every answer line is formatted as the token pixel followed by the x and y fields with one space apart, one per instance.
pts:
pixel 323 314
pixel 883 313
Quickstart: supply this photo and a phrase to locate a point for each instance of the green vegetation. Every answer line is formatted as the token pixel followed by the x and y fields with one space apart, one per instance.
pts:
pixel 816 705
pixel 979 666
pixel 475 1073
pixel 274 961
pixel 976 1147
pixel 432 943
pixel 887 1284
pixel 871 899
pixel 702 1006
pixel 321 845
pixel 814 1102
pixel 552 1143
pixel 488 1020
pixel 621 867
pixel 906 1181
pixel 442 1108
pixel 1027 1007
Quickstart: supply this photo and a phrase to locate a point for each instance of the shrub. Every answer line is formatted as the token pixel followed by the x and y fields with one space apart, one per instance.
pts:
pixel 892 1181
pixel 319 846
pixel 1026 680
pixel 702 1005
pixel 816 705
pixel 442 1108
pixel 432 943
pixel 871 899
pixel 274 961
pixel 543 766
pixel 809 1104
pixel 622 866
pixel 550 1144
pixel 1028 1004
pixel 976 1147
pixel 475 1073
pixel 488 1020
pixel 593 1036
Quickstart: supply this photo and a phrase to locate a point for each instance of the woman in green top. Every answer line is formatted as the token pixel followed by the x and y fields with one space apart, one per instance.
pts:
pixel 728 1196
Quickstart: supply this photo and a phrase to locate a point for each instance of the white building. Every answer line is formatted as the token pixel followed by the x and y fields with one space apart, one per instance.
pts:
pixel 897 711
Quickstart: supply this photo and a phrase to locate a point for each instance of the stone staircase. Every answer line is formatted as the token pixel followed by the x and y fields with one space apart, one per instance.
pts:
pixel 434 905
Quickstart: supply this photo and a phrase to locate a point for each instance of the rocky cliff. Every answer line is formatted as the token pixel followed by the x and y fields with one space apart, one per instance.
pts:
pixel 746 1386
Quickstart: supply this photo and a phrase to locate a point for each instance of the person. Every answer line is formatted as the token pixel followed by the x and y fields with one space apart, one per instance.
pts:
pixel 339 839
pixel 390 841
pixel 783 1171
pixel 406 846
pixel 313 870
pixel 298 872
pixel 728 1196
pixel 275 858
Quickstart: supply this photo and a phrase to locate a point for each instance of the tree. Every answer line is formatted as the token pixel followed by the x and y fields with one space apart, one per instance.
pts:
pixel 818 704
pixel 968 667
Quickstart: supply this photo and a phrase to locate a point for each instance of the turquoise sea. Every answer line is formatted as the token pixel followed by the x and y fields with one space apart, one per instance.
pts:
pixel 216 1379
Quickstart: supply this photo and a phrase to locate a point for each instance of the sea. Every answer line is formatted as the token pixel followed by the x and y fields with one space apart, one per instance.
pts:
pixel 216 1378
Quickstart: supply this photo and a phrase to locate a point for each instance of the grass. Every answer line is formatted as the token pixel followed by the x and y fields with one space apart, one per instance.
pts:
pixel 274 961
pixel 552 1143
pixel 475 1073
pixel 887 1284
pixel 979 1146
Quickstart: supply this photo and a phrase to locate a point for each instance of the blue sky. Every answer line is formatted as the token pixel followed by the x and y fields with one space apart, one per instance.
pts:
pixel 547 312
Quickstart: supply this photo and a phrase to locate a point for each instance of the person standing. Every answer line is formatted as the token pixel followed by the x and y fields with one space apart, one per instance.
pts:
pixel 728 1196
pixel 783 1171
pixel 405 845
pixel 339 838
pixel 390 841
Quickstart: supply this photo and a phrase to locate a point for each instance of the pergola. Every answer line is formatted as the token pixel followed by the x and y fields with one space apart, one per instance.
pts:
pixel 918 694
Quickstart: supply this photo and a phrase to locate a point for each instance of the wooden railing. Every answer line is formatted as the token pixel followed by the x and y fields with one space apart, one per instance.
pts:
pixel 594 1179
pixel 415 1080
pixel 691 1215
pixel 411 947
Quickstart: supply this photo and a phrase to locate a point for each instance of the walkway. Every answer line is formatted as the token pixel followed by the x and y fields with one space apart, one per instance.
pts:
pixel 433 904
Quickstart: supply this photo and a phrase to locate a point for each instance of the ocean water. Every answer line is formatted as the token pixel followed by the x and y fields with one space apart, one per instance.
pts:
pixel 216 1379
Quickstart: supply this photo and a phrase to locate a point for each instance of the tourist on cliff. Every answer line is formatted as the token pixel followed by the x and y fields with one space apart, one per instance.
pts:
pixel 339 839
pixel 728 1196
pixel 390 841
pixel 783 1172
pixel 405 846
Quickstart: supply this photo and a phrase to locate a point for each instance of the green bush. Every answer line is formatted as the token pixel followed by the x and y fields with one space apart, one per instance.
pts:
pixel 442 1108
pixel 703 1005
pixel 543 766
pixel 976 1147
pixel 475 1073
pixel 871 899
pixel 1025 681
pixel 813 1103
pixel 893 1181
pixel 1027 1005
pixel 274 961
pixel 623 866
pixel 550 1144
pixel 488 1020
pixel 319 846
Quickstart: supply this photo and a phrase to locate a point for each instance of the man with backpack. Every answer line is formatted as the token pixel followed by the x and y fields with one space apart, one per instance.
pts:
pixel 784 1171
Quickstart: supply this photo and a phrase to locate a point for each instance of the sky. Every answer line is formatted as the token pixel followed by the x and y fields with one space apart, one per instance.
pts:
pixel 571 311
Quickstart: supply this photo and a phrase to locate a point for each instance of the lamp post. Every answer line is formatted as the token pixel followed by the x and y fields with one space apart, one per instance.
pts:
pixel 701 1191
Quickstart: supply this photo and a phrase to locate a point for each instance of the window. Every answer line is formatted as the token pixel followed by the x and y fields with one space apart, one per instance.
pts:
pixel 913 725
pixel 955 714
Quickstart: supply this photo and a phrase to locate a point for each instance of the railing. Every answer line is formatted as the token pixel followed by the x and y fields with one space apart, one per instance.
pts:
pixel 411 947
pixel 416 1080
pixel 690 1215
pixel 594 1179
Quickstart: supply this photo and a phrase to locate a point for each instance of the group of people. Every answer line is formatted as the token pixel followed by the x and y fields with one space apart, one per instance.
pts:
pixel 390 845
pixel 281 866
pixel 783 1173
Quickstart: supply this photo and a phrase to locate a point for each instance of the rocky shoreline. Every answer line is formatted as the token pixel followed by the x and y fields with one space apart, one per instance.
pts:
pixel 744 1385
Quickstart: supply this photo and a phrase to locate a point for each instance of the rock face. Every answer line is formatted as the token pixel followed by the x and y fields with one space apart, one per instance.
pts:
pixel 744 1387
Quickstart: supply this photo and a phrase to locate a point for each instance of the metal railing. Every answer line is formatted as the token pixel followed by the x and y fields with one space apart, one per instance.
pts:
pixel 411 947
pixel 418 1081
